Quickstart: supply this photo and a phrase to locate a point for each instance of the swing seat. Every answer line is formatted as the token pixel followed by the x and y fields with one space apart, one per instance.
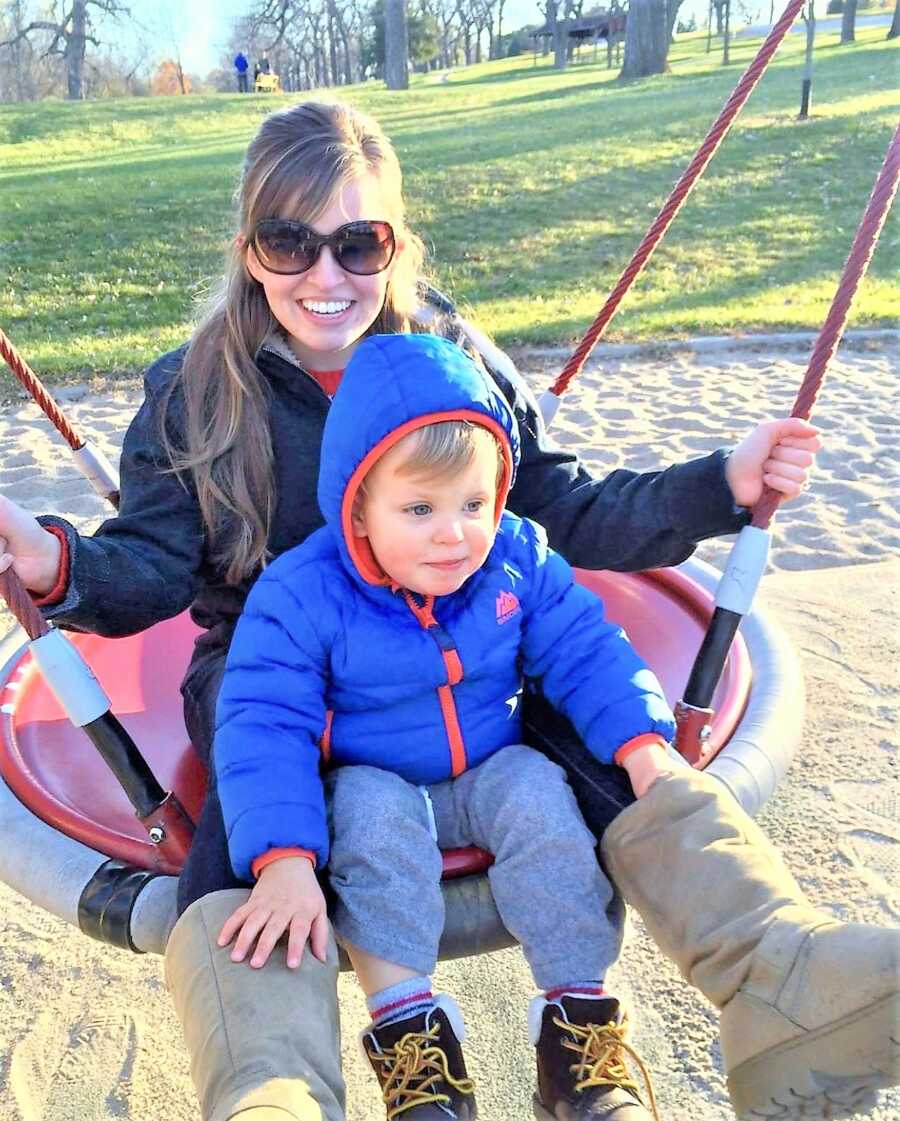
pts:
pixel 66 799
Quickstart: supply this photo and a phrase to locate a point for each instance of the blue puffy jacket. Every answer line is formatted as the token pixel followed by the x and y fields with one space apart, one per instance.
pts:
pixel 327 657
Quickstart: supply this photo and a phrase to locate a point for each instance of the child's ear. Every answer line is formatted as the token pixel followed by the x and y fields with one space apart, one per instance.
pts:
pixel 358 517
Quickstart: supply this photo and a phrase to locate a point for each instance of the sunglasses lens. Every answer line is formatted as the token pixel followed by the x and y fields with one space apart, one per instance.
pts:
pixel 287 247
pixel 365 248
pixel 284 247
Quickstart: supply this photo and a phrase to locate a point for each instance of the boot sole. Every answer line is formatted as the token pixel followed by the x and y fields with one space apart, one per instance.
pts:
pixel 826 1074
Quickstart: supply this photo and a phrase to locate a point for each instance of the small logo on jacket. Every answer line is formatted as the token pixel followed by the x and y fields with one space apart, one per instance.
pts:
pixel 507 606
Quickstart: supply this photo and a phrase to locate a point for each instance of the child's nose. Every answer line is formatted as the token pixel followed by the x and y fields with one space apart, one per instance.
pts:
pixel 449 530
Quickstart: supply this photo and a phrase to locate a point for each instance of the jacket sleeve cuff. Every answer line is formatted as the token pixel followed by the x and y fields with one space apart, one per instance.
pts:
pixel 58 592
pixel 636 743
pixel 700 501
pixel 272 855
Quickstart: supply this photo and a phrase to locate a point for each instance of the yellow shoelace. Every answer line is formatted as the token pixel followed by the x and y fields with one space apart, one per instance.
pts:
pixel 413 1066
pixel 599 1048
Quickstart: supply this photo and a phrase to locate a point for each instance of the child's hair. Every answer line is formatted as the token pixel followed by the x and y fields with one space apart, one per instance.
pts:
pixel 295 166
pixel 445 448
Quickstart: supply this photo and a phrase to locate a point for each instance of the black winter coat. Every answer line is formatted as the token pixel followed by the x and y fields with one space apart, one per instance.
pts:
pixel 151 562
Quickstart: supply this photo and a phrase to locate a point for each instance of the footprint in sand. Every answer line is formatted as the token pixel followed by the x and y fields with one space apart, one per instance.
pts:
pixel 873 848
pixel 74 1072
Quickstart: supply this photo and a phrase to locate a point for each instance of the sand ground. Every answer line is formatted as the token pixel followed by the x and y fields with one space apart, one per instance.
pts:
pixel 86 1031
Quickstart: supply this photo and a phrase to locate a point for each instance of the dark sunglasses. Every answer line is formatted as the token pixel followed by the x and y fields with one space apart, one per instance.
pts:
pixel 288 247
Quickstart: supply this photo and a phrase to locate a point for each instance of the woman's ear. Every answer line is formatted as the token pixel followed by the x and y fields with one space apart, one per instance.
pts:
pixel 358 516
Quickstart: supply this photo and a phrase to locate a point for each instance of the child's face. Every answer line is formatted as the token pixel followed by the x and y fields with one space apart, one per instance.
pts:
pixel 325 310
pixel 429 534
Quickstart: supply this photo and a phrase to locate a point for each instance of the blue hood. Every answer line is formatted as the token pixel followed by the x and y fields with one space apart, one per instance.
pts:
pixel 392 385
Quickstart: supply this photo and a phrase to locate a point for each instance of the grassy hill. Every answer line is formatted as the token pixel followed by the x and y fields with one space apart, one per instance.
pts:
pixel 530 187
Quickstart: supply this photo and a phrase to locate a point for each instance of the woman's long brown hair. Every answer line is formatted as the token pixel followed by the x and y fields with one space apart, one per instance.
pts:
pixel 296 165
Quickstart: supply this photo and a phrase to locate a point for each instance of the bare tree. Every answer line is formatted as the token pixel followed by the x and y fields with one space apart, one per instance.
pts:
pixel 465 14
pixel 848 22
pixel 68 37
pixel 719 8
pixel 308 42
pixel 498 39
pixel 24 72
pixel 894 29
pixel 110 75
pixel 483 18
pixel 444 13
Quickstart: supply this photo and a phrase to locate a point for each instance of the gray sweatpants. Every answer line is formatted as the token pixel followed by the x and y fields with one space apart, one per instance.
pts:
pixel 551 893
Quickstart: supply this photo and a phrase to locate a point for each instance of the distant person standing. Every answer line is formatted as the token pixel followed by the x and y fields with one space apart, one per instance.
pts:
pixel 241 66
pixel 264 67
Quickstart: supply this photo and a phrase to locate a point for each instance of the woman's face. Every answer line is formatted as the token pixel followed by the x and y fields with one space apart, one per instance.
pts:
pixel 326 311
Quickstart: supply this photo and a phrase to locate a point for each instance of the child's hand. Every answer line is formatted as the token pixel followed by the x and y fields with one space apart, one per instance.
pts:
pixel 286 896
pixel 777 454
pixel 27 548
pixel 645 765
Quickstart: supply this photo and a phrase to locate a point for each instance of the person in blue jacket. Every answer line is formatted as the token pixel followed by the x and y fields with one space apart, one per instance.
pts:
pixel 241 65
pixel 404 627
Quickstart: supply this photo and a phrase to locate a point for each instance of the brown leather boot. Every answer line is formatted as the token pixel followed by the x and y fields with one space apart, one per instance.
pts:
pixel 581 1052
pixel 420 1067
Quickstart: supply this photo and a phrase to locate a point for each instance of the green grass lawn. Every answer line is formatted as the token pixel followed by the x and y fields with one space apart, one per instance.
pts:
pixel 530 187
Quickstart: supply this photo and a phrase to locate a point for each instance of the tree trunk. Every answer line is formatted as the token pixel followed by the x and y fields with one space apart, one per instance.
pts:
pixel 806 86
pixel 894 29
pixel 560 41
pixel 672 7
pixel 74 53
pixel 396 45
pixel 848 22
pixel 726 38
pixel 348 65
pixel 646 39
pixel 551 11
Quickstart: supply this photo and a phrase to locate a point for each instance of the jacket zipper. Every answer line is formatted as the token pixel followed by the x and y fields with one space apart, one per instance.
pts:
pixel 424 613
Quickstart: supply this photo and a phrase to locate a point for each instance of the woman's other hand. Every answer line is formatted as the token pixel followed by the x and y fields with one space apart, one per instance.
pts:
pixel 27 548
pixel 777 454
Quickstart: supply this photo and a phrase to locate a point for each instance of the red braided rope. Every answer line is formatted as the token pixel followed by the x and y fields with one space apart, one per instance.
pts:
pixel 21 604
pixel 682 189
pixel 35 387
pixel 861 251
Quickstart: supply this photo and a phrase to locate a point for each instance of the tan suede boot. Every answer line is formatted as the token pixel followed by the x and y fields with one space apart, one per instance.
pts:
pixel 810 1006
pixel 264 1043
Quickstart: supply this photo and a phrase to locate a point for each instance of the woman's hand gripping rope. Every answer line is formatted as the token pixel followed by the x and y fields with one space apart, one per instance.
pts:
pixel 776 454
pixel 26 547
